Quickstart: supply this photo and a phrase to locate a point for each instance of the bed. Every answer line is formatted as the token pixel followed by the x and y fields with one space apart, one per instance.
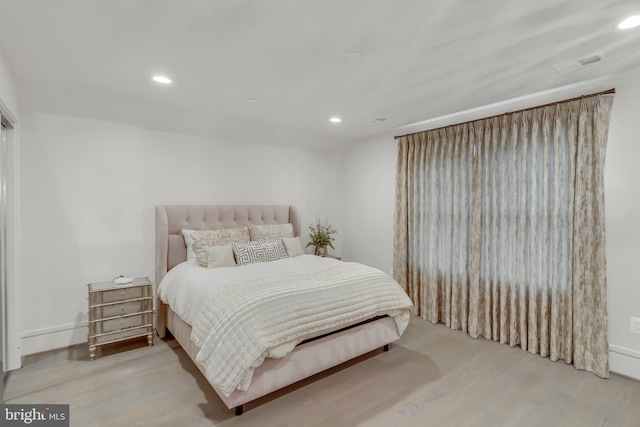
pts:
pixel 327 348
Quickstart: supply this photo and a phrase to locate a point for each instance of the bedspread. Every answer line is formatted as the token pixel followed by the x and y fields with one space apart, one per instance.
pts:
pixel 243 323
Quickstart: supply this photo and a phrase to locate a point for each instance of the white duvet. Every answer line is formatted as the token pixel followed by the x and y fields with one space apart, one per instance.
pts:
pixel 240 315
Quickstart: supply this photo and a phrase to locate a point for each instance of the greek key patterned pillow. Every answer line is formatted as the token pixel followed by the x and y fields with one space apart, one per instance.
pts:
pixel 259 251
pixel 270 231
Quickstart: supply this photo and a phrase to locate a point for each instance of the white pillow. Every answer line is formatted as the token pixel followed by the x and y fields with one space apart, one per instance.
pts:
pixel 197 241
pixel 293 246
pixel 270 231
pixel 220 256
pixel 259 251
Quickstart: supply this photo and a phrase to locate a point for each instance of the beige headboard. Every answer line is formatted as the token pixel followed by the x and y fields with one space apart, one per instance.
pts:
pixel 170 220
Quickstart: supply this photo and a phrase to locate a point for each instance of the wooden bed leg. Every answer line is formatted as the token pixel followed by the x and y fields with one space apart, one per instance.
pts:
pixel 239 410
pixel 386 347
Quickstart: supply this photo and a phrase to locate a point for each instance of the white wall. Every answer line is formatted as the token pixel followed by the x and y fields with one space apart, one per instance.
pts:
pixel 369 176
pixel 622 204
pixel 8 93
pixel 89 190
pixel 369 197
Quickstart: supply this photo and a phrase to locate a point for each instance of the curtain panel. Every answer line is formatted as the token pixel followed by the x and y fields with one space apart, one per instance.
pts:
pixel 500 229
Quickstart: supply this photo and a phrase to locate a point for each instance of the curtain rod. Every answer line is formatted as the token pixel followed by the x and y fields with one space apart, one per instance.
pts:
pixel 604 92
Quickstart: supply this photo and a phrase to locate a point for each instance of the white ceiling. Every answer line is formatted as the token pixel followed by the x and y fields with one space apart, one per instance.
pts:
pixel 422 59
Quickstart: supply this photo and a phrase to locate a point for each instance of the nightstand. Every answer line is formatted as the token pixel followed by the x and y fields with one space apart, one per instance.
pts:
pixel 120 312
pixel 332 256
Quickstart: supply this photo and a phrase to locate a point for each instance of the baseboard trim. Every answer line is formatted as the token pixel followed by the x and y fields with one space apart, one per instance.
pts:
pixel 624 361
pixel 60 336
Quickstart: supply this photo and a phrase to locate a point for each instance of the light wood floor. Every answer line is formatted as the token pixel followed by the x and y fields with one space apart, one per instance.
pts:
pixel 433 376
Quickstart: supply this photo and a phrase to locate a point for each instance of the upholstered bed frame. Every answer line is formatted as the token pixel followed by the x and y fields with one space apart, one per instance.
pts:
pixel 308 358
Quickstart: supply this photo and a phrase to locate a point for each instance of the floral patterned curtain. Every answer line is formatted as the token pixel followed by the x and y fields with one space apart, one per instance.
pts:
pixel 500 229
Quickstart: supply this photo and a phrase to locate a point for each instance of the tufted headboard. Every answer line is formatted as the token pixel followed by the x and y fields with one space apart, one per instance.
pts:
pixel 170 220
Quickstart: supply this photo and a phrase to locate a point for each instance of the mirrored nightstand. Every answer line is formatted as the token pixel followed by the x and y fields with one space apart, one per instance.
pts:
pixel 120 312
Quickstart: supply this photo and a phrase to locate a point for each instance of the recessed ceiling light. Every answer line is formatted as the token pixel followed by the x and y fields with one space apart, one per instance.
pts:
pixel 335 119
pixel 630 22
pixel 377 120
pixel 352 56
pixel 161 79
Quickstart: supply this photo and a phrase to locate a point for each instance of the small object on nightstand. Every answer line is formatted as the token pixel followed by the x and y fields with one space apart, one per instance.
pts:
pixel 119 312
pixel 122 280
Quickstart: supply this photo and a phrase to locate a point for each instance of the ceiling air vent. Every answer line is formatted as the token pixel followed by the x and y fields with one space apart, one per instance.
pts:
pixel 377 120
pixel 570 66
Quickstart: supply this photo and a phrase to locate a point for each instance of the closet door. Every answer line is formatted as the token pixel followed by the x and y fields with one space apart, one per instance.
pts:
pixel 3 255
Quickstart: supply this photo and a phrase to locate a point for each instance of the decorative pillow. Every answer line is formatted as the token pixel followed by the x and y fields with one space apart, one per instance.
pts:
pixel 198 240
pixel 220 256
pixel 270 231
pixel 259 251
pixel 293 246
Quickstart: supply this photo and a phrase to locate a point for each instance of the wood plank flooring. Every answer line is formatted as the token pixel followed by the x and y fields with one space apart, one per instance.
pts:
pixel 432 376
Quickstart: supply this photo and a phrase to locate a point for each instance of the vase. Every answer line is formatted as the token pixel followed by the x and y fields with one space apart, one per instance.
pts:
pixel 321 250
